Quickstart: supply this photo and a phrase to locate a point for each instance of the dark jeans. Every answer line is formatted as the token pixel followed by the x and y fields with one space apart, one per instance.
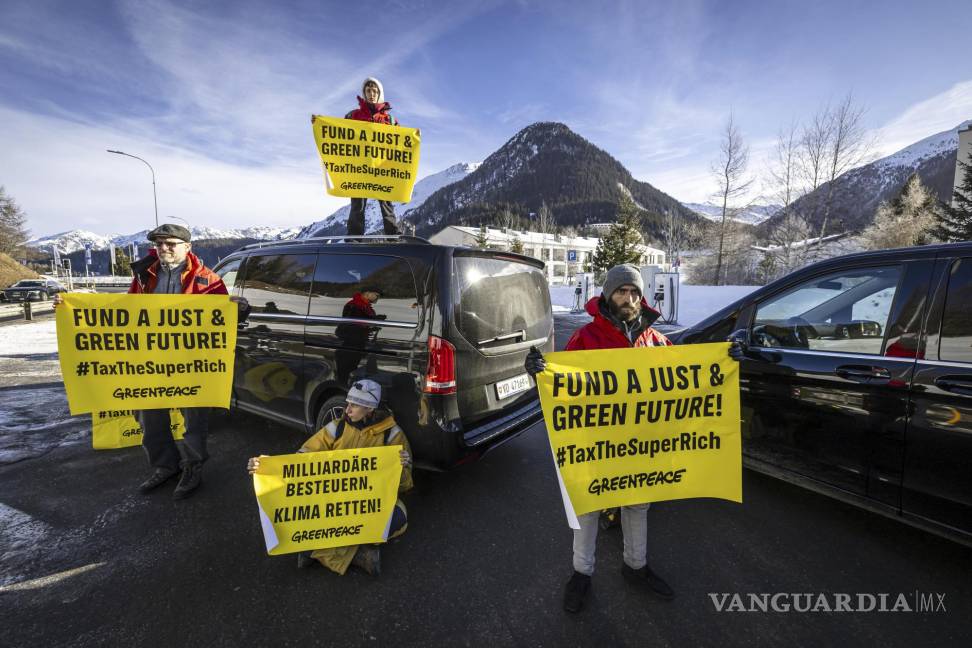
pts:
pixel 165 452
pixel 356 221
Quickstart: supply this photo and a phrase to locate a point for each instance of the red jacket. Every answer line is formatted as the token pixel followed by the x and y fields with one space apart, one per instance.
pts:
pixel 197 279
pixel 377 113
pixel 603 334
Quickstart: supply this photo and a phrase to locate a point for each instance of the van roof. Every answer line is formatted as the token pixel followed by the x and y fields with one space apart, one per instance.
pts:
pixel 386 239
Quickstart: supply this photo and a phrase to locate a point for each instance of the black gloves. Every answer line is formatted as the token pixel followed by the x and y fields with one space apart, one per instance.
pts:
pixel 739 344
pixel 534 363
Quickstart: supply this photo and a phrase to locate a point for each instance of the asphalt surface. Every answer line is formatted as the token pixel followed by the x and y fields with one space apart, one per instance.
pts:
pixel 89 561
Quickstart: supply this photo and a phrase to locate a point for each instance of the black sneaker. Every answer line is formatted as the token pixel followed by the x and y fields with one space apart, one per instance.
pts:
pixel 646 579
pixel 159 477
pixel 575 592
pixel 368 559
pixel 190 480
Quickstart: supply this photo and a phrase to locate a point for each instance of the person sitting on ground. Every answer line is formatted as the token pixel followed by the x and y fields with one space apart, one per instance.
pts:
pixel 364 425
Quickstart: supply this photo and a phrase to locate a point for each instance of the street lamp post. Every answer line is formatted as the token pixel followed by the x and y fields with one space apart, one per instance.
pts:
pixel 154 196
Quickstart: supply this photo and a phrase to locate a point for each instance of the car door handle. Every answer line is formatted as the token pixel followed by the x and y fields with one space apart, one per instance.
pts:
pixel 955 384
pixel 863 374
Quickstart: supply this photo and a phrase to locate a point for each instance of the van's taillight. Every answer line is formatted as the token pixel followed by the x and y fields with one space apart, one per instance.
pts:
pixel 441 375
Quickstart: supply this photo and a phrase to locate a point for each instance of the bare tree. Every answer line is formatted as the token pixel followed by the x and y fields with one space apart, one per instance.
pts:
pixel 545 225
pixel 13 221
pixel 675 235
pixel 907 220
pixel 849 146
pixel 788 245
pixel 506 219
pixel 730 171
pixel 814 142
pixel 784 170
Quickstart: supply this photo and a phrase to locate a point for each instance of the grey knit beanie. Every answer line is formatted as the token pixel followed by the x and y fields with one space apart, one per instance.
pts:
pixel 621 275
pixel 366 393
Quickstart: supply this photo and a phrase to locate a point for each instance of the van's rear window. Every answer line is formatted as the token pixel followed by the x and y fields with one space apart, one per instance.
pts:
pixel 501 299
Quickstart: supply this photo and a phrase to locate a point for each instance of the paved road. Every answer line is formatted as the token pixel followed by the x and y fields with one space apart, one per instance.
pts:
pixel 89 562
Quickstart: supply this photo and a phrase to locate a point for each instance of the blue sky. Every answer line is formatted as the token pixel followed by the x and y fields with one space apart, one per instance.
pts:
pixel 217 95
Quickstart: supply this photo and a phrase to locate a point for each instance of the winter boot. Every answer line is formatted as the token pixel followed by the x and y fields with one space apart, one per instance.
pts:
pixel 159 477
pixel 368 559
pixel 575 592
pixel 190 480
pixel 648 580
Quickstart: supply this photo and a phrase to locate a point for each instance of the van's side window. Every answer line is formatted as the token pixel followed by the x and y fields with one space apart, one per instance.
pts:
pixel 279 283
pixel 956 338
pixel 229 273
pixel 339 277
pixel 844 311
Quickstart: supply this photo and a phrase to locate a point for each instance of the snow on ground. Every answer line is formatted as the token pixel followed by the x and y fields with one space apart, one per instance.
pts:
pixel 34 416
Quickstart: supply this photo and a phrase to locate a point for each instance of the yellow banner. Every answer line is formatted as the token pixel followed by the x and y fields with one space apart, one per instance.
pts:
pixel 629 426
pixel 120 429
pixel 367 160
pixel 136 352
pixel 316 500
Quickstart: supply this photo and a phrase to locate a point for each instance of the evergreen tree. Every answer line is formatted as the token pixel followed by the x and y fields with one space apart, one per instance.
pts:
pixel 516 245
pixel 13 233
pixel 621 243
pixel 123 265
pixel 955 220
pixel 482 238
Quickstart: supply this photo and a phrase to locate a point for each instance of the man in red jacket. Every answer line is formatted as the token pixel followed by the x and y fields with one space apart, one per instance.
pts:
pixel 171 268
pixel 622 319
pixel 372 107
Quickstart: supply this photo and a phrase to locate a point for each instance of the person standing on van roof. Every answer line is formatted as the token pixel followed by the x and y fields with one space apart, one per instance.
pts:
pixel 372 107
pixel 172 268
pixel 364 425
pixel 622 319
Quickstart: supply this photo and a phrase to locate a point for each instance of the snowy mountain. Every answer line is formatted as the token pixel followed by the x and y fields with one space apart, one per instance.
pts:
pixel 752 215
pixel 857 193
pixel 75 240
pixel 545 163
pixel 336 223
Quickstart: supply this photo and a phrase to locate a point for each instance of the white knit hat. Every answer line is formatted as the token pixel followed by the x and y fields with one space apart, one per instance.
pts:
pixel 381 88
pixel 366 393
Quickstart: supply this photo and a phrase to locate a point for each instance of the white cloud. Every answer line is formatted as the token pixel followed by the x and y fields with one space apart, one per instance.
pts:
pixel 59 172
pixel 934 115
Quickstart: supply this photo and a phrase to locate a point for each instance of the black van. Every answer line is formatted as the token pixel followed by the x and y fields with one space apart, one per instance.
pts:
pixel 859 382
pixel 446 338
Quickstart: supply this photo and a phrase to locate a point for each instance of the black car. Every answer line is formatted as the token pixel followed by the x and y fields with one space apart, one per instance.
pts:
pixel 32 290
pixel 859 381
pixel 446 339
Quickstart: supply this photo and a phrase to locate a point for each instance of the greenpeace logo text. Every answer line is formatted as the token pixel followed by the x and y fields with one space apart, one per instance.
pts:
pixel 837 602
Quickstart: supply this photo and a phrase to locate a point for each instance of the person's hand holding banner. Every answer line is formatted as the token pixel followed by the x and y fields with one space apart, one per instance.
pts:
pixel 628 426
pixel 121 352
pixel 317 500
pixel 367 160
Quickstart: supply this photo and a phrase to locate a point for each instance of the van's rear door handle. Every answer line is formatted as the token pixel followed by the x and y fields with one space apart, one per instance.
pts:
pixel 955 384
pixel 864 374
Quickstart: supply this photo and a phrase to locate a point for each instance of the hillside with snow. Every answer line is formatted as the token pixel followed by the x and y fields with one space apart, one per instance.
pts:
pixel 857 193
pixel 751 215
pixel 75 240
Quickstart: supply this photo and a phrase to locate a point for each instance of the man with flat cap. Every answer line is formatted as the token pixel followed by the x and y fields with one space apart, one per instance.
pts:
pixel 170 268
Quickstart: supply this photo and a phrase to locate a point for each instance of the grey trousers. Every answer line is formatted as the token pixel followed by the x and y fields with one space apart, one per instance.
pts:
pixel 634 526
pixel 162 449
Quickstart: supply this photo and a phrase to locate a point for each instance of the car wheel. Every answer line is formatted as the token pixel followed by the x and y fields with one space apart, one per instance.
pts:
pixel 331 410
pixel 43 296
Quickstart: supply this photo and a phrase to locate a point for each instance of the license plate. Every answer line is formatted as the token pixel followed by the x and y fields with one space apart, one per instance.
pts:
pixel 511 386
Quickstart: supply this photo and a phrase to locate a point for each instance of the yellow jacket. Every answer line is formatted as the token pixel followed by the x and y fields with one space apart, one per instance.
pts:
pixel 341 435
